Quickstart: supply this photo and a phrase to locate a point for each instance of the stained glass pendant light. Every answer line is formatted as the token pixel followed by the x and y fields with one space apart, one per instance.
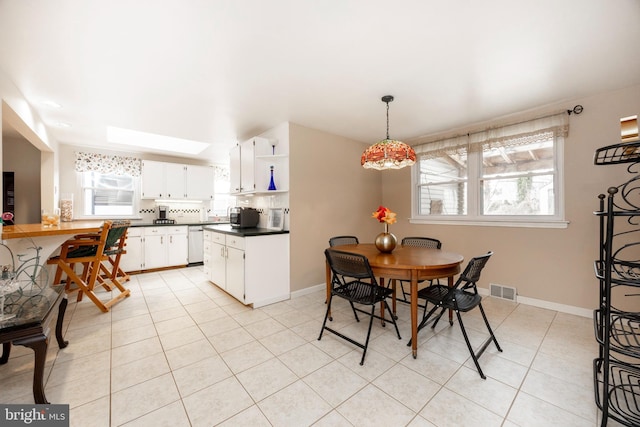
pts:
pixel 388 153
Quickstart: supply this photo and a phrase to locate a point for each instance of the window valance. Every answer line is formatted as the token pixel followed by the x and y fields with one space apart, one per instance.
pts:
pixel 108 164
pixel 526 132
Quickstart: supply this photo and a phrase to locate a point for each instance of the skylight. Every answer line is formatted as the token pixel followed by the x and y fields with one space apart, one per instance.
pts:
pixel 153 141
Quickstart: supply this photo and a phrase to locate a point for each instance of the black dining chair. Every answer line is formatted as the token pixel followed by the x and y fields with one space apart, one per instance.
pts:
pixel 462 297
pixel 353 280
pixel 420 242
pixel 343 240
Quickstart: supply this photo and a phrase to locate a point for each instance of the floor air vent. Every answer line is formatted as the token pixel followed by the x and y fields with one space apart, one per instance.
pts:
pixel 504 292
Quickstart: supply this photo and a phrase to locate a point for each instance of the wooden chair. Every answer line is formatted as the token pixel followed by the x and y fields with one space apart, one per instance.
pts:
pixel 99 254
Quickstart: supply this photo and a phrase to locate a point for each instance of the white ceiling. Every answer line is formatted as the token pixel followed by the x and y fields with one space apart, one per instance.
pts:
pixel 221 71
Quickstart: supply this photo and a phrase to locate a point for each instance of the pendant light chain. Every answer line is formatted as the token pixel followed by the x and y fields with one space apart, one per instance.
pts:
pixel 387 119
pixel 388 154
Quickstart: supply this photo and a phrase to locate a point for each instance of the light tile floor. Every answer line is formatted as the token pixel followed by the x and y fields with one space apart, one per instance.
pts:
pixel 180 352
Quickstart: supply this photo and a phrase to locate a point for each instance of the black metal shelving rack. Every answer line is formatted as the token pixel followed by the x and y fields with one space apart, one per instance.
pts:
pixel 617 319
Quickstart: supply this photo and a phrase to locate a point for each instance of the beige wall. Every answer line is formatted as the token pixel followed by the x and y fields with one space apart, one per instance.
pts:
pixel 553 265
pixel 23 159
pixel 330 194
pixel 17 113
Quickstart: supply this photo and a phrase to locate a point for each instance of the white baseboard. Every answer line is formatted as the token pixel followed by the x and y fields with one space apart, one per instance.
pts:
pixel 309 290
pixel 563 308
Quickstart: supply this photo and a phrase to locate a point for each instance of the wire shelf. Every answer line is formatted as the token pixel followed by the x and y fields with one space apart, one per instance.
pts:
pixel 628 152
pixel 623 392
pixel 625 273
pixel 624 332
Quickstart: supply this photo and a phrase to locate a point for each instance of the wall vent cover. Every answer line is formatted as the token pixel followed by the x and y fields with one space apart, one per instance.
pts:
pixel 504 292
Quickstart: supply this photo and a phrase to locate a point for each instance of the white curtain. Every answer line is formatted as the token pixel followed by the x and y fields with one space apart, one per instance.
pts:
pixel 524 132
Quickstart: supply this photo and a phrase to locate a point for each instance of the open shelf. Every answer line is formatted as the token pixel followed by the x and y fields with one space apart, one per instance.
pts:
pixel 624 332
pixel 628 152
pixel 626 273
pixel 622 394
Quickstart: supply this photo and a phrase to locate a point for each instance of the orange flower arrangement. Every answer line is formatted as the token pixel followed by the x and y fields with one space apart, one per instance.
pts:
pixel 384 215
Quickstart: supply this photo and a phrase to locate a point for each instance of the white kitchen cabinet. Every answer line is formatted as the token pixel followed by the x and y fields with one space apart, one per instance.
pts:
pixel 199 182
pixel 235 257
pixel 161 180
pixel 206 256
pixel 175 179
pixel 250 166
pixel 133 258
pixel 218 259
pixel 156 247
pixel 152 179
pixel 241 167
pixel 253 269
pixel 177 245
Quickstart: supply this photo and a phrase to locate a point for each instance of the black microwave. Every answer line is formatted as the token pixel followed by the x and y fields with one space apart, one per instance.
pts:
pixel 244 217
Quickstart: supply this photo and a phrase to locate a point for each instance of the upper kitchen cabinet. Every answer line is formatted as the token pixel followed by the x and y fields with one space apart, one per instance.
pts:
pixel 241 173
pixel 161 180
pixel 200 182
pixel 153 182
pixel 174 177
pixel 251 163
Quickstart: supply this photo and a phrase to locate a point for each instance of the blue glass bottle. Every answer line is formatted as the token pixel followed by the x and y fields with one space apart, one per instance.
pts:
pixel 272 184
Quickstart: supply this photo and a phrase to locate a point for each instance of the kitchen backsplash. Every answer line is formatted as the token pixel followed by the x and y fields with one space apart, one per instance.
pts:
pixel 190 212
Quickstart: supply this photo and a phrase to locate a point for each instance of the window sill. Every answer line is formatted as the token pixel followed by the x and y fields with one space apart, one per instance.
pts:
pixel 105 217
pixel 495 223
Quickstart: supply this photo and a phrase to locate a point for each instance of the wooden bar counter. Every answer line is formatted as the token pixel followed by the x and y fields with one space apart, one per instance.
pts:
pixel 38 230
pixel 23 238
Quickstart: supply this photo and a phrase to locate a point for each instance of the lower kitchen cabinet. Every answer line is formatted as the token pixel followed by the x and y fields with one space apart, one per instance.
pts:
pixel 217 258
pixel 156 247
pixel 133 259
pixel 252 269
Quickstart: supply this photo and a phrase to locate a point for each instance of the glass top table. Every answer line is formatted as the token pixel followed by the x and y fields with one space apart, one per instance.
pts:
pixel 28 313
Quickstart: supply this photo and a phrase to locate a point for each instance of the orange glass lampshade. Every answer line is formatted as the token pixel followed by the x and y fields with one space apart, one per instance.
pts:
pixel 388 154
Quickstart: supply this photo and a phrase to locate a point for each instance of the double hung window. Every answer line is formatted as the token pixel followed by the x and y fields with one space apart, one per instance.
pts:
pixel 510 175
pixel 108 195
pixel 109 185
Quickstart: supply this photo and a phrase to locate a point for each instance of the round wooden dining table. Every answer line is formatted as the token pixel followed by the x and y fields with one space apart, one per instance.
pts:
pixel 409 263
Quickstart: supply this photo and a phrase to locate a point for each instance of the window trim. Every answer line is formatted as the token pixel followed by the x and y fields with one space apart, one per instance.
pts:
pixel 474 216
pixel 79 207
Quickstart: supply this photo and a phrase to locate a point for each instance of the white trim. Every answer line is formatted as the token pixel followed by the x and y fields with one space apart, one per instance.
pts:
pixel 504 223
pixel 309 290
pixel 272 300
pixel 563 308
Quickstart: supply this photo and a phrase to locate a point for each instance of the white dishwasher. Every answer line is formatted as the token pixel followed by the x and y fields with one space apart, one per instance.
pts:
pixel 196 244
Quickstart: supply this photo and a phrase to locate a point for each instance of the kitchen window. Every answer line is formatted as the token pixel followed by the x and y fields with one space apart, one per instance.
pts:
pixel 109 185
pixel 510 175
pixel 108 195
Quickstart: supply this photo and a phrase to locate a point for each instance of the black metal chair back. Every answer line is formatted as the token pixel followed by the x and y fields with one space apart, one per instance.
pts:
pixel 471 274
pixel 422 242
pixel 419 242
pixel 353 280
pixel 343 240
pixel 462 297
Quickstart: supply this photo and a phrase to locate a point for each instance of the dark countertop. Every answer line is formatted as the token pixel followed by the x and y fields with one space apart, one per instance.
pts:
pixel 243 232
pixel 151 224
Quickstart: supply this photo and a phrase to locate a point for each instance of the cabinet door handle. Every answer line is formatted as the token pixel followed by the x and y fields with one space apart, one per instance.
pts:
pixel 161 240
pixel 170 239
